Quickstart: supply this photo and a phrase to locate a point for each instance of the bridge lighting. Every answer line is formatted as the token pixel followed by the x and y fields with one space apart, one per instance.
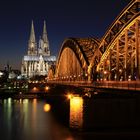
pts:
pixel 108 62
pixel 105 72
pixel 88 95
pixel 129 78
pixel 120 70
pixel 69 96
pixel 121 79
pixel 115 76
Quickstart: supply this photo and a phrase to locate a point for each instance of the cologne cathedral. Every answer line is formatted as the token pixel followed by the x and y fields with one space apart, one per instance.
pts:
pixel 38 58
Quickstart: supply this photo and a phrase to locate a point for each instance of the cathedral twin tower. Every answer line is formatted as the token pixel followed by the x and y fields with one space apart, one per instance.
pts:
pixel 43 43
pixel 38 58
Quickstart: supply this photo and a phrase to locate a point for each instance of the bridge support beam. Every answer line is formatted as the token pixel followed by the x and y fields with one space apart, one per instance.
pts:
pixel 117 62
pixel 126 53
pixel 89 72
pixel 137 50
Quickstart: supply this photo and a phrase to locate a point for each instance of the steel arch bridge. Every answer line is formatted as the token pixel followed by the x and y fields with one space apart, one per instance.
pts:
pixel 116 57
pixel 75 57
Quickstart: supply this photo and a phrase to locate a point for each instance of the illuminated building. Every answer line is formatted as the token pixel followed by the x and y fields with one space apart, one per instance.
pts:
pixel 38 59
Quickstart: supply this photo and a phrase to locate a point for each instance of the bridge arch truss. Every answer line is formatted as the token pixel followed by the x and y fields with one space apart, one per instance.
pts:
pixel 116 57
pixel 74 58
pixel 121 47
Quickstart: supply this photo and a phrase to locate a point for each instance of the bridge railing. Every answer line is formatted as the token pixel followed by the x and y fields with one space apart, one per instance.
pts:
pixel 75 83
pixel 127 85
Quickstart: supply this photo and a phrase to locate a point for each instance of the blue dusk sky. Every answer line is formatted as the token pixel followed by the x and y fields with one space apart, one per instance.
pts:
pixel 64 18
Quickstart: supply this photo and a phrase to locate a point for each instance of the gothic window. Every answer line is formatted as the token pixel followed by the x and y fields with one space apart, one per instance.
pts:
pixel 24 69
pixel 45 49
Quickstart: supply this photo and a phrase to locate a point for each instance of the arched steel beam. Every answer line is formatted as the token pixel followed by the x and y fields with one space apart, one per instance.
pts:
pixel 77 46
pixel 130 12
pixel 73 45
pixel 126 17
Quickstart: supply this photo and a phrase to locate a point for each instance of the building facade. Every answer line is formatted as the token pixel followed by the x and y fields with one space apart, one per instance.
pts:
pixel 38 58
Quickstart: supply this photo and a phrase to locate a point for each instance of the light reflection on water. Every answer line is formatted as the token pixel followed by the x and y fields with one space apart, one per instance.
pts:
pixel 76 112
pixel 26 120
pixel 47 107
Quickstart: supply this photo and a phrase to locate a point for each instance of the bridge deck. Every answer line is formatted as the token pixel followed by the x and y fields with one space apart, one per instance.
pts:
pixel 121 85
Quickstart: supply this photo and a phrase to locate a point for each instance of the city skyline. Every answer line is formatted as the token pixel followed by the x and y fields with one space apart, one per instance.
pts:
pixel 64 19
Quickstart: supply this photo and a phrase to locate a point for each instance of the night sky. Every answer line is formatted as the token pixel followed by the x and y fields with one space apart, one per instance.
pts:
pixel 64 18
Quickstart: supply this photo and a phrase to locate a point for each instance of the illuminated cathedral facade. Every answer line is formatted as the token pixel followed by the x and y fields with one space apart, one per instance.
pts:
pixel 38 58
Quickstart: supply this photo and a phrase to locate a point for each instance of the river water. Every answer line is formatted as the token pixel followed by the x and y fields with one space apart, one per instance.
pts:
pixel 76 118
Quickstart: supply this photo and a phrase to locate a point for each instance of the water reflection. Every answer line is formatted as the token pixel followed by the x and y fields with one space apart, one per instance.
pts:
pixel 26 119
pixel 38 119
pixel 76 112
pixel 47 107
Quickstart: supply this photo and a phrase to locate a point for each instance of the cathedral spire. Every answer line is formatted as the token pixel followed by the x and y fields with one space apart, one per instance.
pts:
pixel 45 40
pixel 45 37
pixel 32 46
pixel 32 33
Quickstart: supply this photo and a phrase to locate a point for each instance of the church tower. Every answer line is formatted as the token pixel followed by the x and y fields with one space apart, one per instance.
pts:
pixel 38 59
pixel 46 49
pixel 32 45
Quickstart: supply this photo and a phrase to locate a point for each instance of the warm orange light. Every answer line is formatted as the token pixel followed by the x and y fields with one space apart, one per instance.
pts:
pixel 69 96
pixel 47 107
pixel 35 89
pixel 76 101
pixel 47 88
pixel 34 101
pixel 76 112
pixel 105 72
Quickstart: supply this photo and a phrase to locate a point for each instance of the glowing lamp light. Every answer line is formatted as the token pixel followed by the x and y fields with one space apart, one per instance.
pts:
pixel 35 89
pixel 120 70
pixel 47 107
pixel 47 88
pixel 69 96
pixel 105 72
pixel 86 74
pixel 1 74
